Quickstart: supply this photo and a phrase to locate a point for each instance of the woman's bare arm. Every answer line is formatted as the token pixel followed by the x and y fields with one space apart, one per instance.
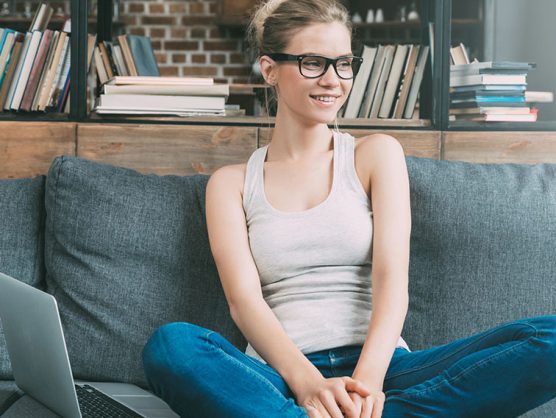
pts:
pixel 389 186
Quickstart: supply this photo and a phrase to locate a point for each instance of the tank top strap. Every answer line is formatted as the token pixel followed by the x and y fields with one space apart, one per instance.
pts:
pixel 348 174
pixel 253 173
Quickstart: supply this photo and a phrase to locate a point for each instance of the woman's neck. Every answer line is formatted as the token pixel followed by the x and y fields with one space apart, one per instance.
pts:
pixel 294 140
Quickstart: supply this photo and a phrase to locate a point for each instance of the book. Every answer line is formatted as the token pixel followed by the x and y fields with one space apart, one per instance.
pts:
pixel 103 52
pixel 11 66
pixel 17 71
pixel 150 101
pixel 482 79
pixel 41 18
pixel 119 60
pixel 530 117
pixel 539 96
pixel 160 81
pixel 51 72
pixel 370 90
pixel 476 67
pixel 377 101
pixel 7 45
pixel 47 64
pixel 393 83
pixel 406 84
pixel 99 64
pixel 491 110
pixel 128 58
pixel 359 85
pixel 489 87
pixel 36 70
pixel 26 70
pixel 143 55
pixel 416 82
pixel 458 54
pixel 164 112
pixel 60 81
pixel 472 103
pixel 183 90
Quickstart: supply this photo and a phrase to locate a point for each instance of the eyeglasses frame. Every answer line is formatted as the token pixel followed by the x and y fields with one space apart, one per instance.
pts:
pixel 328 61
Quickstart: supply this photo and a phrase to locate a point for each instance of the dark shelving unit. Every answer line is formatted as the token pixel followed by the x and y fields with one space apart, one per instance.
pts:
pixel 434 98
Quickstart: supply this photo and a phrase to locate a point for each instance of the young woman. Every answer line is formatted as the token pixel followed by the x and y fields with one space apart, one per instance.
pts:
pixel 293 233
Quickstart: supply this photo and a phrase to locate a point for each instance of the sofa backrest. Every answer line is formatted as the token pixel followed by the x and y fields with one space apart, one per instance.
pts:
pixel 125 254
pixel 483 247
pixel 21 239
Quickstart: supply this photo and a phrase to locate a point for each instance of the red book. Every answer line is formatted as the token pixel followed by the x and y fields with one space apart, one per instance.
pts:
pixel 36 71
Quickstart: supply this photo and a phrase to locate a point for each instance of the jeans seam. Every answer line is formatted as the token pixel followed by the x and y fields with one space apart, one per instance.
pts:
pixel 423 366
pixel 468 369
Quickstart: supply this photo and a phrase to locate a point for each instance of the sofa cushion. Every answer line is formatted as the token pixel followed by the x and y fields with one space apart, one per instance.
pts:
pixel 482 247
pixel 125 254
pixel 21 239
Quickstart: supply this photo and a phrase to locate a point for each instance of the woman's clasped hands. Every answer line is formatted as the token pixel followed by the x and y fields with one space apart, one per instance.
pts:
pixel 340 397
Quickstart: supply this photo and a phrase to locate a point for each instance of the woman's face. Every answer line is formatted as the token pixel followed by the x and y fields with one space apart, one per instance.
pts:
pixel 318 99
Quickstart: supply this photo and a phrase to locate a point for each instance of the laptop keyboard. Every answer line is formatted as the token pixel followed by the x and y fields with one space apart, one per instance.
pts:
pixel 95 404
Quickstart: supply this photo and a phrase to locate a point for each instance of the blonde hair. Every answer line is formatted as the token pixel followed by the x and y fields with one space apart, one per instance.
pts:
pixel 274 22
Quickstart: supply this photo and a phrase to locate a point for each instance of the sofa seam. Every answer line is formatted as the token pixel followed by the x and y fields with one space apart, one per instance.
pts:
pixel 54 219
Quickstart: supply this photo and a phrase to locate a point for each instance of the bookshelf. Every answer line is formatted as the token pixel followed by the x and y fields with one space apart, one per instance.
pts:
pixel 454 21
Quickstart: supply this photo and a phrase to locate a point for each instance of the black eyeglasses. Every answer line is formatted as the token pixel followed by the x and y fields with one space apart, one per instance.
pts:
pixel 314 66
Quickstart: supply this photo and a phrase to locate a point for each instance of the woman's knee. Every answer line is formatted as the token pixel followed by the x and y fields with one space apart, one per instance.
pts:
pixel 172 346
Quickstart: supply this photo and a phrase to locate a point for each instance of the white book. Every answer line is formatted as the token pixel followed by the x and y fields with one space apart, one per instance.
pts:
pixel 153 102
pixel 26 70
pixel 393 82
pixel 119 60
pixel 162 80
pixel 17 72
pixel 185 90
pixel 360 83
pixel 474 80
pixel 416 82
pixel 102 75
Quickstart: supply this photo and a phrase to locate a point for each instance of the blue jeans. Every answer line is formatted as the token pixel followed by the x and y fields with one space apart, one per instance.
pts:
pixel 502 372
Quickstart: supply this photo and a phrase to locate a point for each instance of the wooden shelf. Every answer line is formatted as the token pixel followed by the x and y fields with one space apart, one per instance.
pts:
pixel 259 121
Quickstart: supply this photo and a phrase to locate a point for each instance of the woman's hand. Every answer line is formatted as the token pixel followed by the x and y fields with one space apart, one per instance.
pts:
pixel 330 398
pixel 370 406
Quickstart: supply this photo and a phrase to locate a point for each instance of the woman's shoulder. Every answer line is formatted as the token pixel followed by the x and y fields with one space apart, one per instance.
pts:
pixel 375 148
pixel 229 178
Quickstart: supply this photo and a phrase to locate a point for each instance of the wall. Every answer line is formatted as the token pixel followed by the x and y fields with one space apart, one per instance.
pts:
pixel 187 39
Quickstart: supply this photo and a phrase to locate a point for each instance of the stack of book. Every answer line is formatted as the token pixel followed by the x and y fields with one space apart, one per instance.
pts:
pixel 34 66
pixel 491 92
pixel 388 82
pixel 131 55
pixel 149 95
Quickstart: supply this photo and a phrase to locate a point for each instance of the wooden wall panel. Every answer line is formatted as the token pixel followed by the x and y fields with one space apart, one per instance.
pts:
pixel 166 149
pixel 500 147
pixel 414 143
pixel 27 149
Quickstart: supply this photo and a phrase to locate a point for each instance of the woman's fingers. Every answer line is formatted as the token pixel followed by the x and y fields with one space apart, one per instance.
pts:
pixel 313 412
pixel 353 385
pixel 329 401
pixel 378 406
pixel 358 403
pixel 367 408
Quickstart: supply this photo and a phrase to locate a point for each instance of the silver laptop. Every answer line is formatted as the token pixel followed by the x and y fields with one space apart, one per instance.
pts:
pixel 40 362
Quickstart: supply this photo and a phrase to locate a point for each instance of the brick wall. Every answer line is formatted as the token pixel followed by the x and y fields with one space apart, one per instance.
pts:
pixel 187 39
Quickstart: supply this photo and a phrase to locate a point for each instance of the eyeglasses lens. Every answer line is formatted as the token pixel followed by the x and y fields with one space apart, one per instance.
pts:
pixel 315 67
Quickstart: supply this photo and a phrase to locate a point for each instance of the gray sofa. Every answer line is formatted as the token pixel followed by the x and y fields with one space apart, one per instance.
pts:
pixel 124 253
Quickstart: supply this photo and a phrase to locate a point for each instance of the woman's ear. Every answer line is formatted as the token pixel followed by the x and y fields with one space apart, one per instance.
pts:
pixel 268 69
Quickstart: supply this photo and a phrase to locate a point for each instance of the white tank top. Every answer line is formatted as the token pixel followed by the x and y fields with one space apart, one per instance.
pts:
pixel 315 265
